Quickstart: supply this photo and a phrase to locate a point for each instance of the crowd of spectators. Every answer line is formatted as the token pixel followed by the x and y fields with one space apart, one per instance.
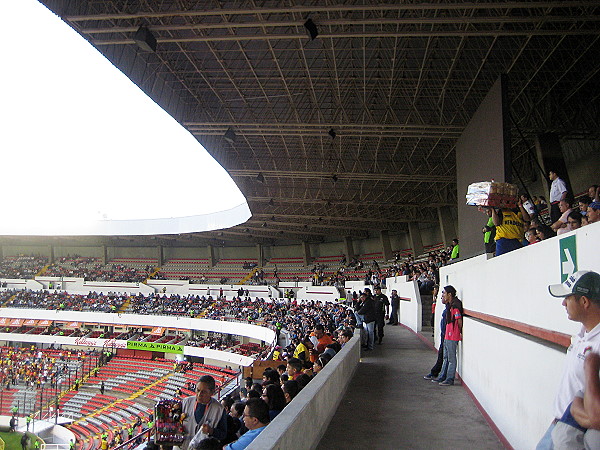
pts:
pixel 258 403
pixel 89 268
pixel 508 230
pixel 93 270
pixel 34 367
pixel 20 267
pixel 169 304
pixel 62 300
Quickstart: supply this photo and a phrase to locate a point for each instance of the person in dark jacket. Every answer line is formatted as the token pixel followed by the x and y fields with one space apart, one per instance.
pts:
pixel 435 370
pixel 368 312
pixel 382 305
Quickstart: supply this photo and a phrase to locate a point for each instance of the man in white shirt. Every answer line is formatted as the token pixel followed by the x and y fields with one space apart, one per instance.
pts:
pixel 581 298
pixel 558 192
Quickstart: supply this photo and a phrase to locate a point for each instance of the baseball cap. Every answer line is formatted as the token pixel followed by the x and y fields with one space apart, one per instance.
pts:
pixel 583 282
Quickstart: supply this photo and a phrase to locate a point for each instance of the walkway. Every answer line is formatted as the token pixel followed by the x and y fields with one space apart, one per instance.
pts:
pixel 390 406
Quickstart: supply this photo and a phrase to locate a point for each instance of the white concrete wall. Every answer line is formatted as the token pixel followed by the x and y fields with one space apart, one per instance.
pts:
pixel 79 285
pixel 411 308
pixel 85 344
pixel 319 293
pixel 514 377
pixel 182 287
pixel 220 326
pixel 304 421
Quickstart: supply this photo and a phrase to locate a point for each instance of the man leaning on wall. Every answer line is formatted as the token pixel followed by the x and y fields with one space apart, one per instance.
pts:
pixel 581 299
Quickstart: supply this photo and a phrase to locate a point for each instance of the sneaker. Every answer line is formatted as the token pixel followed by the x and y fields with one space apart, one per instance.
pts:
pixel 436 380
pixel 429 377
pixel 447 383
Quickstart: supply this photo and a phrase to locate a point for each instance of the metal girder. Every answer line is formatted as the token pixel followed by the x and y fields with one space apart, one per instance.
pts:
pixel 359 125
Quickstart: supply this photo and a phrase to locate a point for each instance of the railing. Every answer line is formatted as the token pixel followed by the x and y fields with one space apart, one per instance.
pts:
pixel 128 444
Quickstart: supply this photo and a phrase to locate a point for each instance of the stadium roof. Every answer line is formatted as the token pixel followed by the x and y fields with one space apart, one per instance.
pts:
pixel 353 131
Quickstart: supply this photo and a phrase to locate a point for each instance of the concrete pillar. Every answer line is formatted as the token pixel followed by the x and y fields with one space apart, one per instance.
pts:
pixel 160 255
pixel 386 246
pixel 260 255
pixel 447 228
pixel 211 256
pixel 50 254
pixel 306 253
pixel 414 236
pixel 104 254
pixel 1 252
pixel 550 156
pixel 349 247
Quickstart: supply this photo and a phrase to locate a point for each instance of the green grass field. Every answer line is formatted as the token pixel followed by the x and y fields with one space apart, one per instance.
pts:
pixel 12 441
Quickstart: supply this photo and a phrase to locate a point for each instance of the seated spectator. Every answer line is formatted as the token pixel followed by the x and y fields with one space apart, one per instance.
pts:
pixel 256 418
pixel 290 390
pixel 253 393
pixel 584 203
pixel 530 236
pixel 574 220
pixel 303 380
pixel 344 336
pixel 275 398
pixel 270 376
pixel 319 364
pixel 544 232
pixel 294 368
pixel 561 225
pixel 594 193
pixel 542 202
pixel 528 205
pixel 303 347
pixel 593 212
pixel 210 443
pixel 237 412
pixel 233 424
pixel 332 349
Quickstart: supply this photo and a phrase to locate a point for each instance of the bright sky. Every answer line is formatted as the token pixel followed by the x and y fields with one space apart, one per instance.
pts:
pixel 80 143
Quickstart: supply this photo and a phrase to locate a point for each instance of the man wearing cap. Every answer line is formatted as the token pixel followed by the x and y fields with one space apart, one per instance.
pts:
pixel 581 298
pixel 593 212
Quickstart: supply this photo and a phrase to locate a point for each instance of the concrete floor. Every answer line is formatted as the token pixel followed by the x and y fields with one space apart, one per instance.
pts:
pixel 390 406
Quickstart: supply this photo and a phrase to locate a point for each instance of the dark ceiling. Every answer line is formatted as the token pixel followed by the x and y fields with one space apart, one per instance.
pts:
pixel 354 131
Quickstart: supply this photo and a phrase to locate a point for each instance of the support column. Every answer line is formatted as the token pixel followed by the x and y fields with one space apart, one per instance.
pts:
pixel 1 253
pixel 211 256
pixel 349 246
pixel 386 246
pixel 104 254
pixel 260 255
pixel 306 253
pixel 550 156
pixel 414 236
pixel 50 254
pixel 447 228
pixel 160 255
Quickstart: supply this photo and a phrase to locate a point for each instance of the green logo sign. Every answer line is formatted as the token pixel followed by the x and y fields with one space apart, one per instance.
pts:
pixel 154 347
pixel 568 257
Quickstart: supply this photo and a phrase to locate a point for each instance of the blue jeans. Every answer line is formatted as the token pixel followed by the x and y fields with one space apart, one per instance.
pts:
pixel 449 367
pixel 370 335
